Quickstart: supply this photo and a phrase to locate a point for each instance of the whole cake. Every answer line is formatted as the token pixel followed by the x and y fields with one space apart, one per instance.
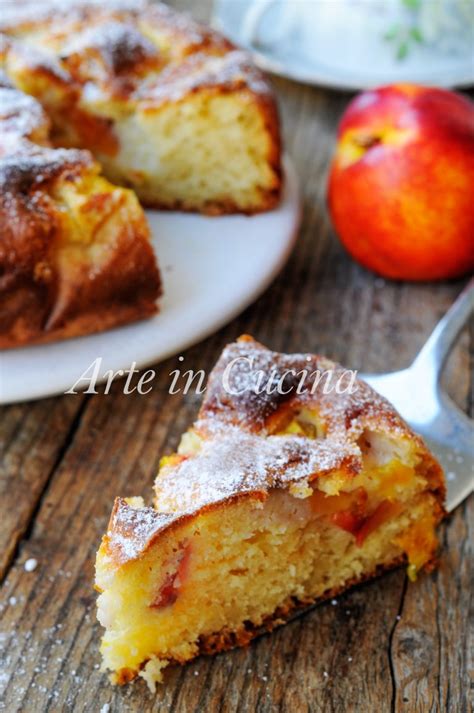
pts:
pixel 169 107
pixel 75 253
pixel 276 498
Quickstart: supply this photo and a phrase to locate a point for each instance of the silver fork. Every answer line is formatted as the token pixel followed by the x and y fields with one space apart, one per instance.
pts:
pixel 417 395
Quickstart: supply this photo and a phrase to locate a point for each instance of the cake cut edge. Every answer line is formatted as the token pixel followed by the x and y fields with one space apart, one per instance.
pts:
pixel 160 74
pixel 76 253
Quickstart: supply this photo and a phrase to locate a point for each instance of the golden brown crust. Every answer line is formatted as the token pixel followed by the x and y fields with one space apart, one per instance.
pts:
pixel 131 54
pixel 259 411
pixel 28 328
pixel 53 285
pixel 241 455
pixel 187 35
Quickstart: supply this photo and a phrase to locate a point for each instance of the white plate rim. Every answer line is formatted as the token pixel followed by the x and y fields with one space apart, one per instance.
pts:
pixel 331 81
pixel 336 79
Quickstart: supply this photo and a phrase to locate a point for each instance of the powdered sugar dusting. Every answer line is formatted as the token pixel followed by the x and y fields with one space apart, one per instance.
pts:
pixel 120 45
pixel 235 462
pixel 131 529
pixel 229 464
pixel 30 564
pixel 232 396
pixel 32 165
pixel 26 168
pixel 31 11
pixel 230 71
pixel 237 454
pixel 24 164
pixel 164 54
pixel 20 116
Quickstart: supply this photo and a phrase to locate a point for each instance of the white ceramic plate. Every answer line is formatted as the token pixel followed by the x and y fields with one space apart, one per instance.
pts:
pixel 212 269
pixel 340 43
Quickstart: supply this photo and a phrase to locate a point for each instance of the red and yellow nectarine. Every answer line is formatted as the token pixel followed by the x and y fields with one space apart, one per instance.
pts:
pixel 401 185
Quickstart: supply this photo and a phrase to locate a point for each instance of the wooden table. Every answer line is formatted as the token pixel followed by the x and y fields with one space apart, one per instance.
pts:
pixel 388 645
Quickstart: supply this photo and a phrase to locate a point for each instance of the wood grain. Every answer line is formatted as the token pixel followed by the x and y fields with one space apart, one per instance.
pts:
pixel 33 439
pixel 385 646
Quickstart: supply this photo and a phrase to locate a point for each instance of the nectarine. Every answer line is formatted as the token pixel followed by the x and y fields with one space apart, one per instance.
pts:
pixel 401 185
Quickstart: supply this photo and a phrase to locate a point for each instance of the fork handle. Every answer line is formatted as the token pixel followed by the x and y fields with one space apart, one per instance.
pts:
pixel 436 350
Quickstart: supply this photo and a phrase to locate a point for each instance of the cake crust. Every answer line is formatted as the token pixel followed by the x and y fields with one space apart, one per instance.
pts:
pixel 75 253
pixel 241 457
pixel 105 71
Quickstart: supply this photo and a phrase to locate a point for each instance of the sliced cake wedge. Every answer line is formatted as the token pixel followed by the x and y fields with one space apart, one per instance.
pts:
pixel 277 497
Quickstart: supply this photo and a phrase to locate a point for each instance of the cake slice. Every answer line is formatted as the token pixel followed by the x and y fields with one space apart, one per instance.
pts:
pixel 75 250
pixel 169 107
pixel 273 501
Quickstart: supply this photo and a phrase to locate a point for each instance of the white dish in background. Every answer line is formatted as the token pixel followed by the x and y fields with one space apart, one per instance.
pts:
pixel 212 269
pixel 341 44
